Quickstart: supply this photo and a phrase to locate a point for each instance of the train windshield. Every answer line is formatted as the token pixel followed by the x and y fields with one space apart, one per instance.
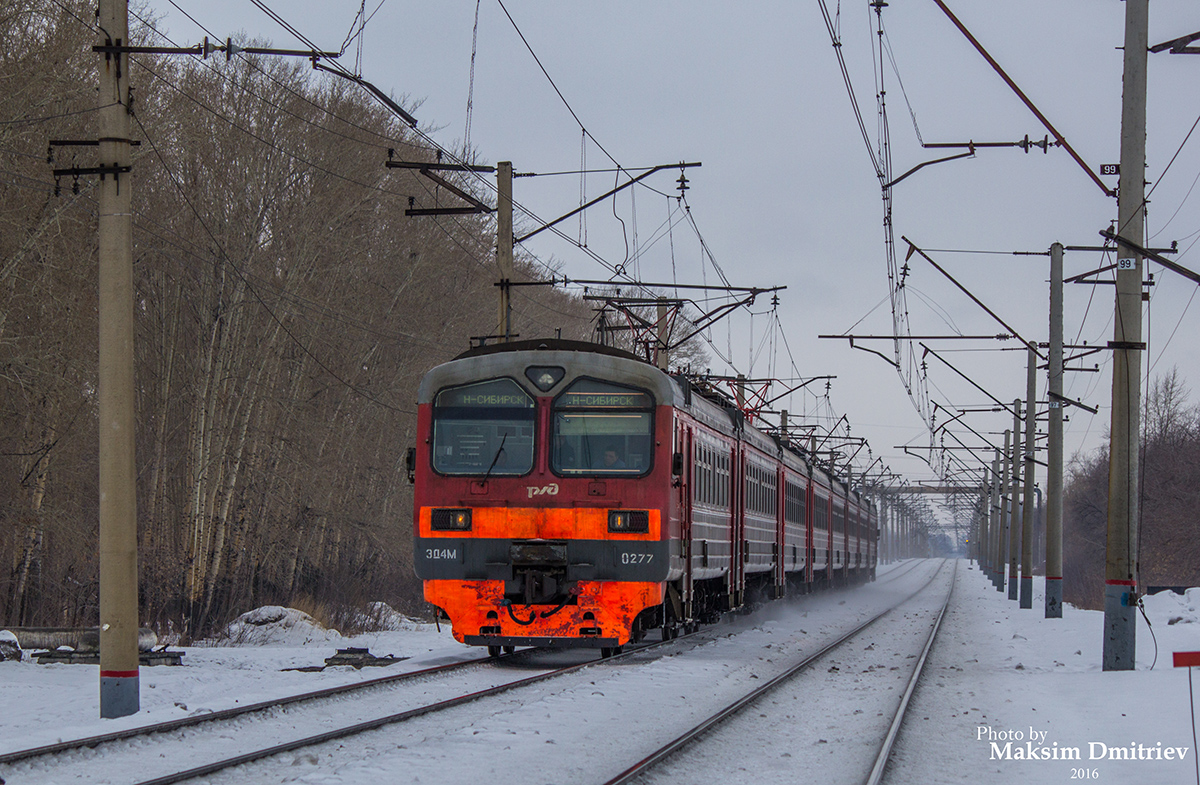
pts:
pixel 602 429
pixel 484 429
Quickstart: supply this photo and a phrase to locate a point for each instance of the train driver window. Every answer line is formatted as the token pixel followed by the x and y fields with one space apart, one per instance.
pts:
pixel 602 428
pixel 484 429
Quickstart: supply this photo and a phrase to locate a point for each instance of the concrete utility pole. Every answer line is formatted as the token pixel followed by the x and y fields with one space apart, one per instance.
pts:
pixel 1121 567
pixel 1054 460
pixel 1006 467
pixel 889 526
pixel 1027 497
pixel 984 519
pixel 995 520
pixel 119 692
pixel 663 334
pixel 1014 533
pixel 504 246
pixel 981 530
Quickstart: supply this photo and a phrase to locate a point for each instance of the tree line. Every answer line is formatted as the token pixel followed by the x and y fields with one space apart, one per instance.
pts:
pixel 286 310
pixel 1168 549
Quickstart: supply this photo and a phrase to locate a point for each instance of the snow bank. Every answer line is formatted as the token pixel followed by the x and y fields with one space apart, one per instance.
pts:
pixel 10 648
pixel 1169 608
pixel 274 625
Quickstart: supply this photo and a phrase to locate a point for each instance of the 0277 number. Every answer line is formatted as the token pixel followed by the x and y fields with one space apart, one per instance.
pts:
pixel 636 558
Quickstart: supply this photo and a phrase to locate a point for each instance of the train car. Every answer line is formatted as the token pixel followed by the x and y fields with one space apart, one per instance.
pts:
pixel 569 494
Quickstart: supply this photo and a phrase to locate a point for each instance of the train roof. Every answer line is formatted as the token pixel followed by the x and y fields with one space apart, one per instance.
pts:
pixel 577 358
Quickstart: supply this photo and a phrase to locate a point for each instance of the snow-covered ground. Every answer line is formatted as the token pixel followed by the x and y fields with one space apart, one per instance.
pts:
pixel 997 674
pixel 1001 674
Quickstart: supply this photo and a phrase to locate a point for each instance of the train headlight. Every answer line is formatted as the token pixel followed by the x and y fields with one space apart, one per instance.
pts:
pixel 545 377
pixel 450 520
pixel 629 521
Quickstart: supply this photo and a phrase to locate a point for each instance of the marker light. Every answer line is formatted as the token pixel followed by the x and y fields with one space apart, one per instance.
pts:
pixel 629 521
pixel 450 520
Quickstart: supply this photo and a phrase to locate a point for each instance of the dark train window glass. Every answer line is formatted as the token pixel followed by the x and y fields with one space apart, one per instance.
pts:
pixel 820 512
pixel 484 429
pixel 723 480
pixel 709 478
pixel 602 429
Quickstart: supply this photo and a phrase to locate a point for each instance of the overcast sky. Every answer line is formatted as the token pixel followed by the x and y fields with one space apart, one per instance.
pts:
pixel 787 194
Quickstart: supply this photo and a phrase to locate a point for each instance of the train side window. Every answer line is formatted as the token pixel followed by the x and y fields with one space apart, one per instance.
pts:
pixel 723 481
pixel 485 428
pixel 708 480
pixel 704 459
pixel 601 428
pixel 746 495
pixel 820 512
pixel 772 488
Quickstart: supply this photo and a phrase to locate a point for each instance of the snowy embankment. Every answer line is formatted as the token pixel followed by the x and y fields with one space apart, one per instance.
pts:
pixel 998 674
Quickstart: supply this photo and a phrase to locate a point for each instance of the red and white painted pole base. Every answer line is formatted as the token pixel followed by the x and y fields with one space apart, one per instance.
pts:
pixel 119 693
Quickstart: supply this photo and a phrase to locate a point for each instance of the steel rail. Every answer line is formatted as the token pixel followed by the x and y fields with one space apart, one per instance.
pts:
pixel 229 713
pixel 639 768
pixel 885 751
pixel 225 714
pixel 894 574
pixel 391 719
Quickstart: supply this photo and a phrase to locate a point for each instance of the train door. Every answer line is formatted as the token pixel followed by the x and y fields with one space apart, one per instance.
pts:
pixel 685 448
pixel 839 519
pixel 809 544
pixel 737 519
pixel 780 529
pixel 827 505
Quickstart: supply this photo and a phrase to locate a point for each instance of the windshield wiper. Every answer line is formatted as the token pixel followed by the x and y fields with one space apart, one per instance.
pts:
pixel 495 458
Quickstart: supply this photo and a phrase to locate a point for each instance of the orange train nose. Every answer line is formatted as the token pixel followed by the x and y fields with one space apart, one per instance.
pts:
pixel 601 614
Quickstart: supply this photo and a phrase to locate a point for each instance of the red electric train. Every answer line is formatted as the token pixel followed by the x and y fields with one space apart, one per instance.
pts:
pixel 570 494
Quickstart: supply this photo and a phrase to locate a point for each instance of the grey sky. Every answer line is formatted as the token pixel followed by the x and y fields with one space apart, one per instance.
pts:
pixel 786 195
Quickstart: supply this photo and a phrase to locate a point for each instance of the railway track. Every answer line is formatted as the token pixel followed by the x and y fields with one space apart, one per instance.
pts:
pixel 308 701
pixel 899 571
pixel 91 742
pixel 648 767
pixel 79 763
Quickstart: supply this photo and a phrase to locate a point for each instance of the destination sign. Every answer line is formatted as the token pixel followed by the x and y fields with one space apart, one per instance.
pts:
pixel 607 400
pixel 489 399
pixel 500 394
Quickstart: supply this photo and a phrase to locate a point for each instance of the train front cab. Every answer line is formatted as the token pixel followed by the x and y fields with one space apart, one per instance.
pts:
pixel 542 502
